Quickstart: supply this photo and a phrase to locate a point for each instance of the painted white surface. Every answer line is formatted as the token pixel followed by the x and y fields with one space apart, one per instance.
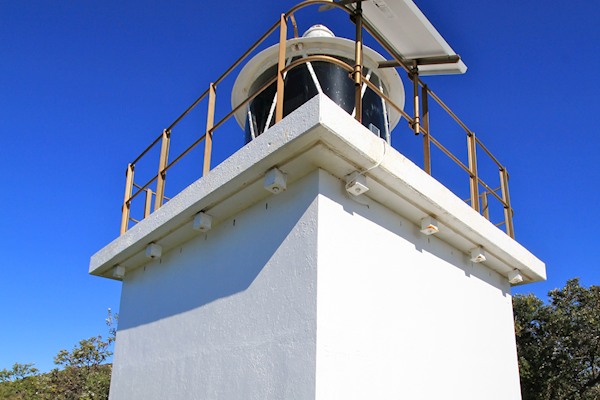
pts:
pixel 402 315
pixel 311 295
pixel 229 314
pixel 319 134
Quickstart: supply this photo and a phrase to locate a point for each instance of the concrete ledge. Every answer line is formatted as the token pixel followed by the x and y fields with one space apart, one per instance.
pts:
pixel 319 135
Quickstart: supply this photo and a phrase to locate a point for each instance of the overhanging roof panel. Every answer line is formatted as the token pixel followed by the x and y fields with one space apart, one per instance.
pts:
pixel 411 34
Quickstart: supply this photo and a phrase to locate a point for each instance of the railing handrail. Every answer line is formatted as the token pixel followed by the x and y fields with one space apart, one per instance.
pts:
pixel 360 80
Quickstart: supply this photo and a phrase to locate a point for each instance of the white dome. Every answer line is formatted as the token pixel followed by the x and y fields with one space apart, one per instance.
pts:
pixel 318 31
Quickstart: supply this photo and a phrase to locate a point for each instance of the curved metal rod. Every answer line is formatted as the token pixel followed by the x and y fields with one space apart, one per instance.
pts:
pixel 348 68
pixel 313 2
pixel 318 57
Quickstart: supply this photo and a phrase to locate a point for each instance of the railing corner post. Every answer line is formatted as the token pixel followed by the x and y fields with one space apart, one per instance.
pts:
pixel 126 201
pixel 414 75
pixel 485 211
pixel 508 211
pixel 280 68
pixel 474 179
pixel 358 62
pixel 162 174
pixel 426 140
pixel 210 120
pixel 148 203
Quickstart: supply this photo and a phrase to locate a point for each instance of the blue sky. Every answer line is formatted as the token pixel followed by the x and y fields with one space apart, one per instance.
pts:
pixel 86 86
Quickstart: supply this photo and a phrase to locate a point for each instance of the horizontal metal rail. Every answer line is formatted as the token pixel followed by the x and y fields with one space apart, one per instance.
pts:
pixel 483 194
pixel 147 149
pixel 150 190
pixel 445 107
pixel 456 160
pixel 243 103
pixel 492 192
pixel 142 189
pixel 190 108
pixel 489 154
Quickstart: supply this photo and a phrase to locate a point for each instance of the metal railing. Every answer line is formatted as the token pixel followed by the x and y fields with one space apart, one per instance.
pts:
pixel 419 122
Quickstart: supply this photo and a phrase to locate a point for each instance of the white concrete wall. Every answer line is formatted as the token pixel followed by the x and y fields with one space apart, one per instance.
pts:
pixel 401 315
pixel 229 314
pixel 311 295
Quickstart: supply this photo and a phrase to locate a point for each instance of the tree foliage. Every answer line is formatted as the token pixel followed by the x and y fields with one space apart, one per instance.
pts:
pixel 558 343
pixel 81 374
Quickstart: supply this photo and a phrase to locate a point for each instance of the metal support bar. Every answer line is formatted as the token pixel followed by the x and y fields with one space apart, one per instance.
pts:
pixel 426 141
pixel 280 67
pixel 472 146
pixel 148 205
pixel 421 61
pixel 508 217
pixel 358 62
pixel 210 120
pixel 126 205
pixel 414 75
pixel 485 211
pixel 164 156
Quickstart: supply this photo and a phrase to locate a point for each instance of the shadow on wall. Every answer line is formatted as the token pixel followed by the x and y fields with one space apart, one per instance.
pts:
pixel 215 265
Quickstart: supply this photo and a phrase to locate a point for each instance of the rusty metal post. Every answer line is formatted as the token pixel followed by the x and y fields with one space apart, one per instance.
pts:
pixel 358 60
pixel 508 212
pixel 164 156
pixel 126 203
pixel 426 141
pixel 148 205
pixel 472 147
pixel 280 68
pixel 414 75
pixel 210 120
pixel 484 206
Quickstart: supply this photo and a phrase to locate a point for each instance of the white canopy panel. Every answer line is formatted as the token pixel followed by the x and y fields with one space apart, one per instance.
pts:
pixel 411 34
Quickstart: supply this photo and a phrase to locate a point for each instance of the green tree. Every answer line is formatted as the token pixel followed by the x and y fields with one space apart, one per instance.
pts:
pixel 82 374
pixel 20 382
pixel 558 343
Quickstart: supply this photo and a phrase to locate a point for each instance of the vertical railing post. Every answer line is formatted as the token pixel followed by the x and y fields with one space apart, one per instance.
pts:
pixel 280 68
pixel 508 217
pixel 210 120
pixel 164 156
pixel 472 146
pixel 148 205
pixel 414 75
pixel 485 211
pixel 126 203
pixel 426 140
pixel 358 61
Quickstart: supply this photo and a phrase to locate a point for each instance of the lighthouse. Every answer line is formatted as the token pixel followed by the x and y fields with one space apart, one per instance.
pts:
pixel 317 261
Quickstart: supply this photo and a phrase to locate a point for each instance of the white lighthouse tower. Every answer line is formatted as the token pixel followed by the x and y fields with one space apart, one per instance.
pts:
pixel 318 262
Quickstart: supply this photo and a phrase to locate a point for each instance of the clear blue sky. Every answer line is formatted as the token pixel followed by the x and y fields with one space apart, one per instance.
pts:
pixel 86 86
